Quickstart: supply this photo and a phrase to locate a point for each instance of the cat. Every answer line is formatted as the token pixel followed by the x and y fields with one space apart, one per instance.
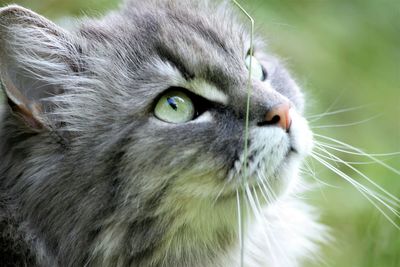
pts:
pixel 122 142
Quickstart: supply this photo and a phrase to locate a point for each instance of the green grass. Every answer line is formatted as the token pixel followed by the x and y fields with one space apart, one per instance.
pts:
pixel 345 53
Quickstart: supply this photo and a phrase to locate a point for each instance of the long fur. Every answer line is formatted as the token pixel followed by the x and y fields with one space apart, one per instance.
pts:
pixel 106 183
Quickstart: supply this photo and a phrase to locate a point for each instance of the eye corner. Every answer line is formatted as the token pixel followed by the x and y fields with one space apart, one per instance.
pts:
pixel 265 73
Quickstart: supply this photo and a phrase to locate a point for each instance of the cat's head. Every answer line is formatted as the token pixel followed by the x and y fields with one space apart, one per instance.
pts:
pixel 169 79
pixel 150 100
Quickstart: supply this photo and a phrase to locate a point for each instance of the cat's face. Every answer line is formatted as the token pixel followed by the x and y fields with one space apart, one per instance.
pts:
pixel 158 53
pixel 141 60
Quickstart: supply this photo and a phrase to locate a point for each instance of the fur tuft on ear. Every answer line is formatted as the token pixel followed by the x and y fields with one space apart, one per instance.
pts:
pixel 35 56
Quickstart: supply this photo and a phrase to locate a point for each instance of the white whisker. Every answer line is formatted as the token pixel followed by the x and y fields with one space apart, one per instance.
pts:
pixel 367 193
pixel 361 152
pixel 394 198
pixel 388 198
pixel 322 147
pixel 253 205
pixel 268 236
pixel 220 192
pixel 268 189
pixel 328 110
pixel 345 124
pixel 313 174
pixel 341 148
pixel 325 114
pixel 262 192
pixel 240 227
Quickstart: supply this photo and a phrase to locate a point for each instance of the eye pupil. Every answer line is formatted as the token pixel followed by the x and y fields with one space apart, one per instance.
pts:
pixel 172 103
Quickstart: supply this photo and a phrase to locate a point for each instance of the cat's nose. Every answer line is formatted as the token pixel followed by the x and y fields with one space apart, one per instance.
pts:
pixel 278 115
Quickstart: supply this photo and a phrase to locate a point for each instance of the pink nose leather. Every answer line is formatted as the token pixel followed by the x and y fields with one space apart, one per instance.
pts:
pixel 279 115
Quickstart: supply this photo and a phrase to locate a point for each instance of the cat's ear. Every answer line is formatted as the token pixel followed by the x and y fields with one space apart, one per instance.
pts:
pixel 35 57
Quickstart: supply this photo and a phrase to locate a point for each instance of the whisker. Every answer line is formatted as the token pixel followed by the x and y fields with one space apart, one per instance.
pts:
pixel 321 147
pixel 367 193
pixel 341 148
pixel 240 227
pixel 388 198
pixel 325 114
pixel 278 23
pixel 353 182
pixel 257 201
pixel 360 152
pixel 329 157
pixel 391 196
pixel 220 192
pixel 262 191
pixel 251 200
pixel 328 110
pixel 268 189
pixel 345 124
pixel 270 238
pixel 320 182
pixel 314 176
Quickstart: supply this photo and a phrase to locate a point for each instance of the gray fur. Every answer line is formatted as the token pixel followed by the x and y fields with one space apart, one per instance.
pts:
pixel 102 160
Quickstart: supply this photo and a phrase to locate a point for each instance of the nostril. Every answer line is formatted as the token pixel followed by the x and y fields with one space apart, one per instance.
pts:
pixel 278 115
pixel 274 120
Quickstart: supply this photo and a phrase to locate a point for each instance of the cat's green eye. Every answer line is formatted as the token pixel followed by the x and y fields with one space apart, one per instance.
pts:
pixel 257 70
pixel 175 107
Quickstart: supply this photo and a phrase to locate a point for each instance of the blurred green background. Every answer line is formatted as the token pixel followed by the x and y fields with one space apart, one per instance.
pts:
pixel 345 54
